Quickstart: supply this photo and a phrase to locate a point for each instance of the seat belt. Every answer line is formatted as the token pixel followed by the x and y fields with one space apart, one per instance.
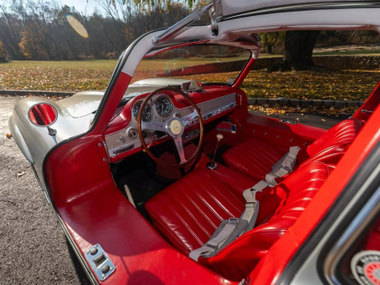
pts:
pixel 232 228
pixel 251 210
pixel 282 167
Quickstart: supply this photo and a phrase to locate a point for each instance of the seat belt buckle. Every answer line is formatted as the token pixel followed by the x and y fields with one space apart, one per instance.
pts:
pixel 211 245
pixel 233 220
pixel 287 168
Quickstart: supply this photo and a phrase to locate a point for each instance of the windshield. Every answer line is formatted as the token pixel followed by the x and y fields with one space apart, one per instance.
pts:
pixel 205 63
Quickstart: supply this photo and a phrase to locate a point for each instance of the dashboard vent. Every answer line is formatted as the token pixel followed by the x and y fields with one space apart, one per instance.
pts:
pixel 124 149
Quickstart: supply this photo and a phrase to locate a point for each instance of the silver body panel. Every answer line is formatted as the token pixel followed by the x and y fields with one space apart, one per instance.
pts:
pixel 74 117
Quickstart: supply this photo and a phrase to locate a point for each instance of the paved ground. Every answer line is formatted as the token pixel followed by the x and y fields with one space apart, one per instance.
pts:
pixel 32 244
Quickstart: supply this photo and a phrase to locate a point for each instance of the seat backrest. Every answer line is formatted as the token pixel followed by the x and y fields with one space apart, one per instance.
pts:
pixel 330 147
pixel 239 258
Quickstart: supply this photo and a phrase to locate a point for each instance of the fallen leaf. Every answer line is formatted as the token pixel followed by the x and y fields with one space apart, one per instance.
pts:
pixel 323 120
pixel 20 173
pixel 9 136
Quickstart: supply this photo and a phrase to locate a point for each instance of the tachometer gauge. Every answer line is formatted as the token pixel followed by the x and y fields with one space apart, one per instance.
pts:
pixel 163 106
pixel 147 113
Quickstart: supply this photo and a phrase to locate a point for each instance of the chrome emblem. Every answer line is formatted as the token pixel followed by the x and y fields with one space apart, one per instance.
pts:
pixel 365 267
pixel 176 127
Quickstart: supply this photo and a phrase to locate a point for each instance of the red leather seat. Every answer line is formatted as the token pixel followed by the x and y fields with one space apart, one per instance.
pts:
pixel 255 157
pixel 187 213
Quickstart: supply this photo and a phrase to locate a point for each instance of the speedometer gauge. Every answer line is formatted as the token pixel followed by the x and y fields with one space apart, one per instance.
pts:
pixel 163 106
pixel 147 113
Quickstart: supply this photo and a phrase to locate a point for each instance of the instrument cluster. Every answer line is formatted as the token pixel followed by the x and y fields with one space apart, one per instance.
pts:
pixel 163 106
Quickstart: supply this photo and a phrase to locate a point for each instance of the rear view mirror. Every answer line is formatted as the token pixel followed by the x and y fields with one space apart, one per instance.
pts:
pixel 42 114
pixel 192 86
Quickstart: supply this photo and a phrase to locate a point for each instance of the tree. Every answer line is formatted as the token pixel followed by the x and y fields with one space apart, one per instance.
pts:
pixel 268 40
pixel 299 47
pixel 298 53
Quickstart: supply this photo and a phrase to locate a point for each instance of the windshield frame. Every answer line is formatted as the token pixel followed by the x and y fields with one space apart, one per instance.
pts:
pixel 248 55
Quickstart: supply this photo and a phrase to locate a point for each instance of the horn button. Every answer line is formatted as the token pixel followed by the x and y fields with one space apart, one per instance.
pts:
pixel 175 127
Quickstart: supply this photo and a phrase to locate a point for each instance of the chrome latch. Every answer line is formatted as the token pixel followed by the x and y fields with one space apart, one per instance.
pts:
pixel 288 122
pixel 100 262
pixel 215 13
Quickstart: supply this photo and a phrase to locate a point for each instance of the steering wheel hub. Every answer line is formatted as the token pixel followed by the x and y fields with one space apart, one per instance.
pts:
pixel 175 127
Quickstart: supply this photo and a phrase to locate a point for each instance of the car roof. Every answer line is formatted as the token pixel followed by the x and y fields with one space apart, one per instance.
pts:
pixel 229 7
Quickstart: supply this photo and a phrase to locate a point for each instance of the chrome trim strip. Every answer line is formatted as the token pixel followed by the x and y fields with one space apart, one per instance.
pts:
pixel 366 214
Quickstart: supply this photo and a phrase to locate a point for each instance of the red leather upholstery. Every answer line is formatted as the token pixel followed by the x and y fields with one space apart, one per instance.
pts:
pixel 188 212
pixel 255 157
pixel 330 147
pixel 239 258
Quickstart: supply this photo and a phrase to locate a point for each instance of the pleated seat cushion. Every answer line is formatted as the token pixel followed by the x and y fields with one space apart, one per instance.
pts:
pixel 255 157
pixel 187 212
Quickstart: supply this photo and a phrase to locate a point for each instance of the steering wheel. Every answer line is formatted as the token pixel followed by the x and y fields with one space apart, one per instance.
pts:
pixel 173 126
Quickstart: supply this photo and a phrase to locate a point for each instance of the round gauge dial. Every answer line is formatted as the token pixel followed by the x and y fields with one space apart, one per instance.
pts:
pixel 147 113
pixel 146 134
pixel 163 106
pixel 132 133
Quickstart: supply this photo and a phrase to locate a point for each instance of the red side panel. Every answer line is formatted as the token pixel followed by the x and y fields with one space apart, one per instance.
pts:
pixel 365 111
pixel 140 255
pixel 280 135
pixel 273 263
pixel 373 239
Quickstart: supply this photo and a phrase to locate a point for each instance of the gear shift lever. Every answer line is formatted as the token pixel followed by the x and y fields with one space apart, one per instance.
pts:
pixel 212 165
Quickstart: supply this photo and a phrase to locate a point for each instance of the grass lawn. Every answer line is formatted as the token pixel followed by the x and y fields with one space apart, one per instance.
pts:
pixel 95 75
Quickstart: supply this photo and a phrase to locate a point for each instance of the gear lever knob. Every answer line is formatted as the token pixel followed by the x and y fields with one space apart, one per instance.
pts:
pixel 212 165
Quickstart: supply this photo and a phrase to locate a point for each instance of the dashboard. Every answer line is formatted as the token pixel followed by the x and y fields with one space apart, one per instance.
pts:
pixel 160 108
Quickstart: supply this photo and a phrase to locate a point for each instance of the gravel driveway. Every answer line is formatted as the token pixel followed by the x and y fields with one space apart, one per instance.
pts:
pixel 32 243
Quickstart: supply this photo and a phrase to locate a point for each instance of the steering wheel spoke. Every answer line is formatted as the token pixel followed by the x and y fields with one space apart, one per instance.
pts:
pixel 190 118
pixel 179 145
pixel 155 126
